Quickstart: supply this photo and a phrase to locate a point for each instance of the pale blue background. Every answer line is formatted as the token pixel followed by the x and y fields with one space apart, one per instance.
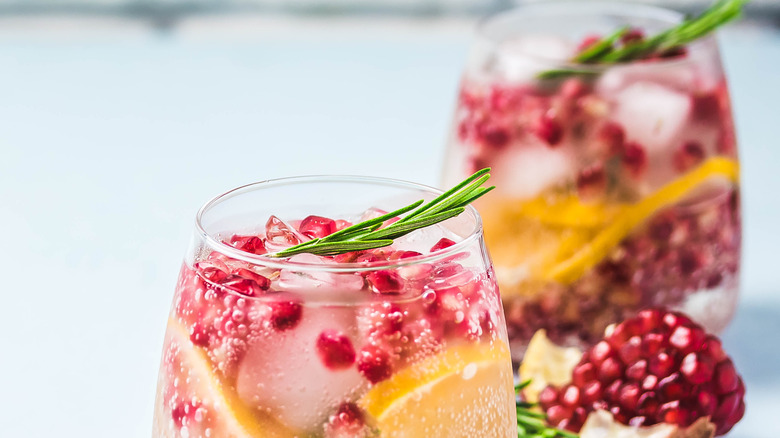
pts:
pixel 112 135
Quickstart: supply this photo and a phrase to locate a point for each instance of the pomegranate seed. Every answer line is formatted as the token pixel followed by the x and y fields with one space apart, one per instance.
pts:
pixel 592 181
pixel 570 395
pixel 697 368
pixel 214 275
pixel 385 282
pixel 634 159
pixel 251 244
pixel 613 391
pixel 441 244
pixel 548 396
pixel 727 405
pixel 613 136
pixel 672 413
pixel 726 379
pixel 610 370
pixel 672 386
pixel 687 339
pixel 591 393
pixel 200 336
pixel 335 350
pixel 652 343
pixel 648 404
pixel 495 135
pixel 317 226
pixel 262 282
pixel 649 382
pixel 558 413
pixel 674 319
pixel 637 370
pixel 705 106
pixel 707 403
pixel 630 351
pixel 286 315
pixel 689 155
pixel 245 286
pixel 661 365
pixel 583 373
pixel 600 353
pixel 573 88
pixel 348 420
pixel 632 35
pixel 588 41
pixel 629 396
pixel 548 129
pixel 374 364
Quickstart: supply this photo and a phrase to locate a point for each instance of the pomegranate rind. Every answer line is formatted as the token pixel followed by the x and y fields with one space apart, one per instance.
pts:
pixel 194 378
pixel 546 364
pixel 601 424
pixel 465 390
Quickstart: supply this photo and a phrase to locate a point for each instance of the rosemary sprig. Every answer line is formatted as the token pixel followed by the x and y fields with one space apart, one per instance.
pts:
pixel 604 50
pixel 370 234
pixel 532 423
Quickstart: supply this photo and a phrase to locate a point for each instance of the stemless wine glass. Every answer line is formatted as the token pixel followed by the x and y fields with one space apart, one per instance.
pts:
pixel 617 185
pixel 406 340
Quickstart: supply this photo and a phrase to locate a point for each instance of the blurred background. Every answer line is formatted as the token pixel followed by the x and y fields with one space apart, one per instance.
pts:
pixel 119 118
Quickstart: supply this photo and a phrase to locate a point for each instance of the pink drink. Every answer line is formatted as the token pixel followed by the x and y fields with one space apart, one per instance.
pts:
pixel 407 340
pixel 617 187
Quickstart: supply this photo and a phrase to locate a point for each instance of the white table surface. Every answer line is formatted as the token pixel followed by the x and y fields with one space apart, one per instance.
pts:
pixel 112 135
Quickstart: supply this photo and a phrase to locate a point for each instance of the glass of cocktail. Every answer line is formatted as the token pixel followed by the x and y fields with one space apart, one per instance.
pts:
pixel 617 181
pixel 401 340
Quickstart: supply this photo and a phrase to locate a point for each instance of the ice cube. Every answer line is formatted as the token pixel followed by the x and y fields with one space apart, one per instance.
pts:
pixel 525 171
pixel 315 284
pixel 280 235
pixel 283 374
pixel 653 115
pixel 522 58
pixel 679 77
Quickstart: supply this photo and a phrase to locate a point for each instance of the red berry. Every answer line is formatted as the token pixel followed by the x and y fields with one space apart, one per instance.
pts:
pixel 348 420
pixel 252 244
pixel 592 181
pixel 335 350
pixel 613 136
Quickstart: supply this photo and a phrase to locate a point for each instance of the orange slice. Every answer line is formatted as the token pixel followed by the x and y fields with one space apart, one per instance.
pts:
pixel 558 238
pixel 598 248
pixel 189 375
pixel 465 391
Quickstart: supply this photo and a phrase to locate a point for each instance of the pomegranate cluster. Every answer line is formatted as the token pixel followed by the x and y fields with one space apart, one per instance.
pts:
pixel 659 367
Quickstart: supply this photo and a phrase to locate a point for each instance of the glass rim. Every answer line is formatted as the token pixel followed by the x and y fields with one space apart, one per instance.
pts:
pixel 585 9
pixel 283 263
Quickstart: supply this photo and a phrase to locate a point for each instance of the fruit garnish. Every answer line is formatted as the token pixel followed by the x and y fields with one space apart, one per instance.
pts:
pixel 448 394
pixel 199 402
pixel 374 233
pixel 545 363
pixel 658 367
pixel 601 424
pixel 627 44
pixel 636 214
pixel 549 247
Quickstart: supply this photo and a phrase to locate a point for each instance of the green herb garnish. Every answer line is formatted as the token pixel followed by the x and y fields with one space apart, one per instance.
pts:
pixel 604 51
pixel 533 424
pixel 369 234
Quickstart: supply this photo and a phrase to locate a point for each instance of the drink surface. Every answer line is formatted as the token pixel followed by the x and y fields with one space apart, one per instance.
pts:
pixel 616 189
pixel 413 346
